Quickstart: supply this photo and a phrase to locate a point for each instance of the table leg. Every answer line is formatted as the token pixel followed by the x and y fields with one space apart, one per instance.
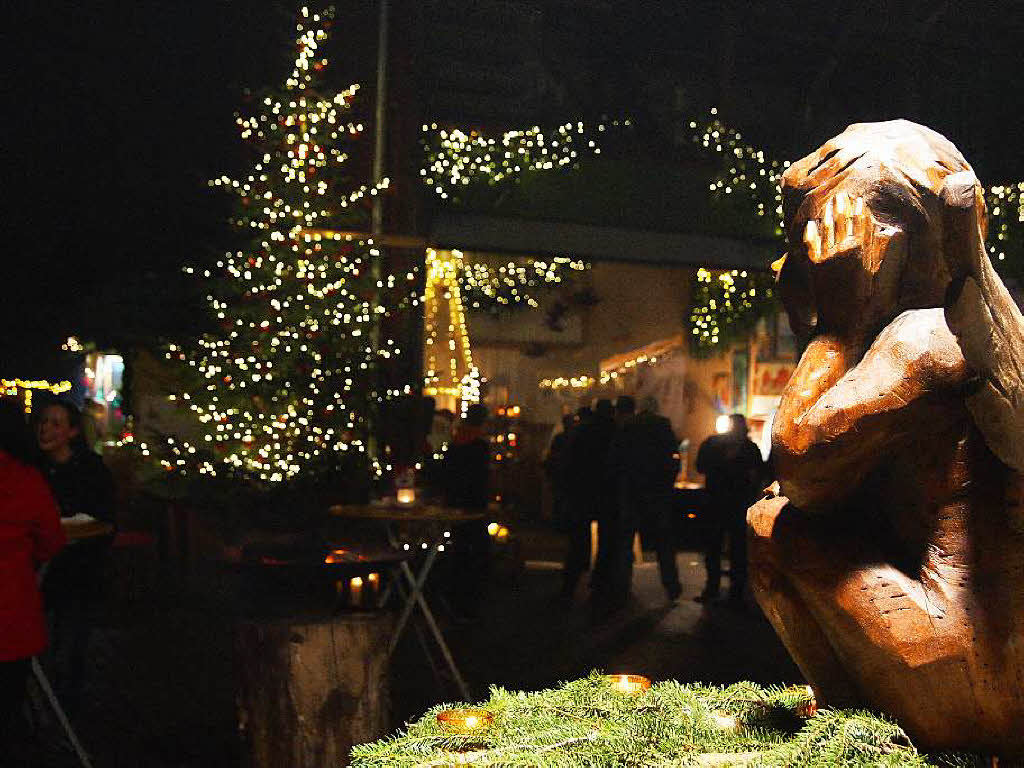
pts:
pixel 410 603
pixel 422 638
pixel 58 710
pixel 417 594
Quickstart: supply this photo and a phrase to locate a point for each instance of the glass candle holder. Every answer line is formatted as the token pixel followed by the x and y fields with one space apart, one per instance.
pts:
pixel 629 684
pixel 464 719
pixel 808 706
pixel 405 496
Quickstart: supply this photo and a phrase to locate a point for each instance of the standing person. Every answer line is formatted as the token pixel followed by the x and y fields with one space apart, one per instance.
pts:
pixel 555 468
pixel 30 534
pixel 467 486
pixel 74 585
pixel 644 462
pixel 734 473
pixel 591 497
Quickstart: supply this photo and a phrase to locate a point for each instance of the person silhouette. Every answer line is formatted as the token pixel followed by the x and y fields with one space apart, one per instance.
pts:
pixel 734 473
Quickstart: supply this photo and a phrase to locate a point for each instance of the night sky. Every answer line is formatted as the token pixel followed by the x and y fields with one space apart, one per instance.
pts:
pixel 117 114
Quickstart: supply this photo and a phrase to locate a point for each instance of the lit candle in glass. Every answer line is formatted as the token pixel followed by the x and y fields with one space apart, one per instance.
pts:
pixel 630 684
pixel 373 587
pixel 355 590
pixel 808 705
pixel 464 719
pixel 406 495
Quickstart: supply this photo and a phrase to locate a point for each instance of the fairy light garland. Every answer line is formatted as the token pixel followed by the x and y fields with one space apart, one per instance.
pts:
pixel 494 288
pixel 727 306
pixel 287 386
pixel 746 171
pixel 448 357
pixel 582 382
pixel 1006 222
pixel 26 388
pixel 456 159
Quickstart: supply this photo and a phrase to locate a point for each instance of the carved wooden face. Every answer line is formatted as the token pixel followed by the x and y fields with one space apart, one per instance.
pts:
pixel 865 225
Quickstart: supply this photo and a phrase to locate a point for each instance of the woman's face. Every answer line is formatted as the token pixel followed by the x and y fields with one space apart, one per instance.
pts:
pixel 54 431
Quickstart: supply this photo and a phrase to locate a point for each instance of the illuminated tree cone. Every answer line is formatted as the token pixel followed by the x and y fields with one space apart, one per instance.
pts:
pixel 451 377
pixel 310 690
pixel 289 384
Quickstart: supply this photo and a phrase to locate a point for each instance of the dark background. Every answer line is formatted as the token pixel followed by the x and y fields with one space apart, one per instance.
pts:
pixel 116 114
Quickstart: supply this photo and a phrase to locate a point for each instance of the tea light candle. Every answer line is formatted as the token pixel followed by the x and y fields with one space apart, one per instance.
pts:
pixel 808 707
pixel 465 719
pixel 724 722
pixel 406 495
pixel 630 684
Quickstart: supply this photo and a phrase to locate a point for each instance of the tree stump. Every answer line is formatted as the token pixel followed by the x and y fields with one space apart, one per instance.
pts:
pixel 311 688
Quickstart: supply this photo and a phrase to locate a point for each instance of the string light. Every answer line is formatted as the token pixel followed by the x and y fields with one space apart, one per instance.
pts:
pixel 1006 223
pixel 493 288
pixel 582 382
pixel 27 387
pixel 726 305
pixel 456 159
pixel 745 171
pixel 724 310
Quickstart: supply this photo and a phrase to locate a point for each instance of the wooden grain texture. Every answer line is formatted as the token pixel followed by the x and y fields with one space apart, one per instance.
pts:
pixel 308 690
pixel 890 554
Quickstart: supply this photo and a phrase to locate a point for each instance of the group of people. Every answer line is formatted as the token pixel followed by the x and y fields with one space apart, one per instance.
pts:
pixel 45 477
pixel 616 465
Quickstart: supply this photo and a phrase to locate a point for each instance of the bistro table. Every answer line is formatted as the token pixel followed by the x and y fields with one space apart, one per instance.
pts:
pixel 76 529
pixel 411 527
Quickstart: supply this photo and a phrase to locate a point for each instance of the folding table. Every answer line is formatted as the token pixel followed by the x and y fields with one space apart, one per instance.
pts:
pixel 433 525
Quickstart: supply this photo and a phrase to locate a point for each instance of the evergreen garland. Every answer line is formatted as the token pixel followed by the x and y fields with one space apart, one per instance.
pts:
pixel 588 723
pixel 725 306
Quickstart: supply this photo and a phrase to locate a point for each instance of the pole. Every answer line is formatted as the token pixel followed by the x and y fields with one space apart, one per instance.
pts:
pixel 377 212
pixel 376 223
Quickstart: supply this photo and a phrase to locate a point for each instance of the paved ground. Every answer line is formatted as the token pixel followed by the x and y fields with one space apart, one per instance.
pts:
pixel 528 638
pixel 160 692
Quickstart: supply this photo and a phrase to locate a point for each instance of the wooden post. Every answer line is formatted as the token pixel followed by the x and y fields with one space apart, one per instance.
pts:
pixel 311 688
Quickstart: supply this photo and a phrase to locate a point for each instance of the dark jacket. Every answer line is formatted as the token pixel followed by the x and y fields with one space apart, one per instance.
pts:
pixel 586 466
pixel 733 469
pixel 466 469
pixel 82 484
pixel 643 454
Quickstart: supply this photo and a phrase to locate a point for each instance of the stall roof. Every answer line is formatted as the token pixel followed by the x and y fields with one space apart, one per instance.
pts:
pixel 595 243
pixel 648 352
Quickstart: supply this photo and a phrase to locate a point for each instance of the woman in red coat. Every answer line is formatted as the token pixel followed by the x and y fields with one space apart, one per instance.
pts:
pixel 30 534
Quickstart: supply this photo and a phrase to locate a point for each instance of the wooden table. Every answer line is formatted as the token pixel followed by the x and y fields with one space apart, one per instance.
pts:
pixel 434 522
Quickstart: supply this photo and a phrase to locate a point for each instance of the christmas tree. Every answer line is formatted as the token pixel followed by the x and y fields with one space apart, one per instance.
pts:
pixel 288 385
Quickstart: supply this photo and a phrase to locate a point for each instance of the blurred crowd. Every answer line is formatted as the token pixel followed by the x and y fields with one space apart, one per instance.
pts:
pixel 613 468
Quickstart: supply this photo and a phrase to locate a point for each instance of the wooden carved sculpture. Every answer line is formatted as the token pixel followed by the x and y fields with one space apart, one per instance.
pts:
pixel 890 554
